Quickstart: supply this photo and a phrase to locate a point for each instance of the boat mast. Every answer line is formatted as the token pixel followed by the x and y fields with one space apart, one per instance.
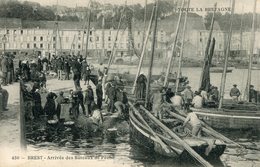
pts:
pixel 103 37
pixel 114 44
pixel 145 13
pixel 182 45
pixel 88 30
pixel 206 56
pixel 152 55
pixel 252 42
pixel 227 53
pixel 143 50
pixel 173 47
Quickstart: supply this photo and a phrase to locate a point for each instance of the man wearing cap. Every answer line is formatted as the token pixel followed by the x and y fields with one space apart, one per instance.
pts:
pixel 4 64
pixel 234 93
pixel 49 106
pixel 37 109
pixel 99 93
pixel 59 100
pixel 187 97
pixel 111 94
pixel 89 99
pixel 141 86
pixel 252 94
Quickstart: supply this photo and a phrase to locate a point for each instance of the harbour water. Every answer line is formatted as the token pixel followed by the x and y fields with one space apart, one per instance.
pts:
pixel 123 152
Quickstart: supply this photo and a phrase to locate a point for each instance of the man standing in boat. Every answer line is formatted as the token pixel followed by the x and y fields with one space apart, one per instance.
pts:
pixel 187 97
pixel 141 86
pixel 235 93
pixel 194 122
pixel 252 94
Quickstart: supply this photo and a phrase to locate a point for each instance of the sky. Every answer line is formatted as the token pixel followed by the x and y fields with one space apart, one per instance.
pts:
pixel 241 6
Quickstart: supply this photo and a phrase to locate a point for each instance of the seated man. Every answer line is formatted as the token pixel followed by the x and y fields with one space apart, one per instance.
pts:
pixel 177 100
pixel 97 117
pixel 197 100
pixel 194 122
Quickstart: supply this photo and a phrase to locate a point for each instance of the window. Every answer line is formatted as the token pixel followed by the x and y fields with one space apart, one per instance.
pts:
pixel 138 33
pixel 79 38
pixel 73 46
pixel 97 38
pixel 109 38
pixel 54 38
pixel 90 32
pixel 28 45
pixel 79 47
pixel 21 32
pixel 14 31
pixel 34 45
pixel 41 38
pixel 54 45
pixel 41 45
pixel 200 33
pixel 7 31
pixel 109 45
pixel 200 39
pixel 79 32
pixel 90 39
pixel 34 38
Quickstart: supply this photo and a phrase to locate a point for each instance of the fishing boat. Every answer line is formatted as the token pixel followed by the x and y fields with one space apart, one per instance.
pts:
pixel 143 135
pixel 219 70
pixel 231 114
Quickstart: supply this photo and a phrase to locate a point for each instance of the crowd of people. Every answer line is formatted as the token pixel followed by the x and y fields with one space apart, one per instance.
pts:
pixel 107 89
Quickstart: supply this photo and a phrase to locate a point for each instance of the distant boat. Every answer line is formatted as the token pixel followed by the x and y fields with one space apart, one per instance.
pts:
pixel 219 70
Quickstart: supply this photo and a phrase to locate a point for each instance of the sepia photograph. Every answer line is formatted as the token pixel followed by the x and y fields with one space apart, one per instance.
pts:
pixel 138 83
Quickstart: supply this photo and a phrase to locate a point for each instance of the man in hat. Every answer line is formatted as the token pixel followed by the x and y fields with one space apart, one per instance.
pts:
pixel 111 94
pixel 37 109
pixel 252 94
pixel 187 97
pixel 194 122
pixel 99 93
pixel 234 93
pixel 89 99
pixel 141 86
pixel 4 64
pixel 49 106
pixel 59 100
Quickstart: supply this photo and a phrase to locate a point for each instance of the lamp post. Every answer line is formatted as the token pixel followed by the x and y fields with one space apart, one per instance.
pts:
pixel 4 40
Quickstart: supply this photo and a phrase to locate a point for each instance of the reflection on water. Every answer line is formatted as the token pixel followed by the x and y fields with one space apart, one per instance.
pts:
pixel 125 152
pixel 122 151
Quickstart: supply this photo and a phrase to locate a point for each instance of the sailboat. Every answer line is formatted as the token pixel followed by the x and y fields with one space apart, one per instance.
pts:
pixel 232 115
pixel 149 132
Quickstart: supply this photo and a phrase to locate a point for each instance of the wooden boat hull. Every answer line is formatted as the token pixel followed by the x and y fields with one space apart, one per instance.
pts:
pixel 142 137
pixel 229 119
pixel 219 70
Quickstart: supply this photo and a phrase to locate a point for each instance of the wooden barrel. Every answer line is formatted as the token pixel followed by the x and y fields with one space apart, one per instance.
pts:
pixel 65 114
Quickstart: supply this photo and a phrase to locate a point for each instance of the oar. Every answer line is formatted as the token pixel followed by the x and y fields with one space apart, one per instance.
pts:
pixel 164 146
pixel 207 129
pixel 179 140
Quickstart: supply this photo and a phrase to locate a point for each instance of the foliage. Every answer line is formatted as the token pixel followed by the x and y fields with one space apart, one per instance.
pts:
pixel 224 21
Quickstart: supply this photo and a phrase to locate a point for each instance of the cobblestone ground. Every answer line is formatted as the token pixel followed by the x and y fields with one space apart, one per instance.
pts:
pixel 9 126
